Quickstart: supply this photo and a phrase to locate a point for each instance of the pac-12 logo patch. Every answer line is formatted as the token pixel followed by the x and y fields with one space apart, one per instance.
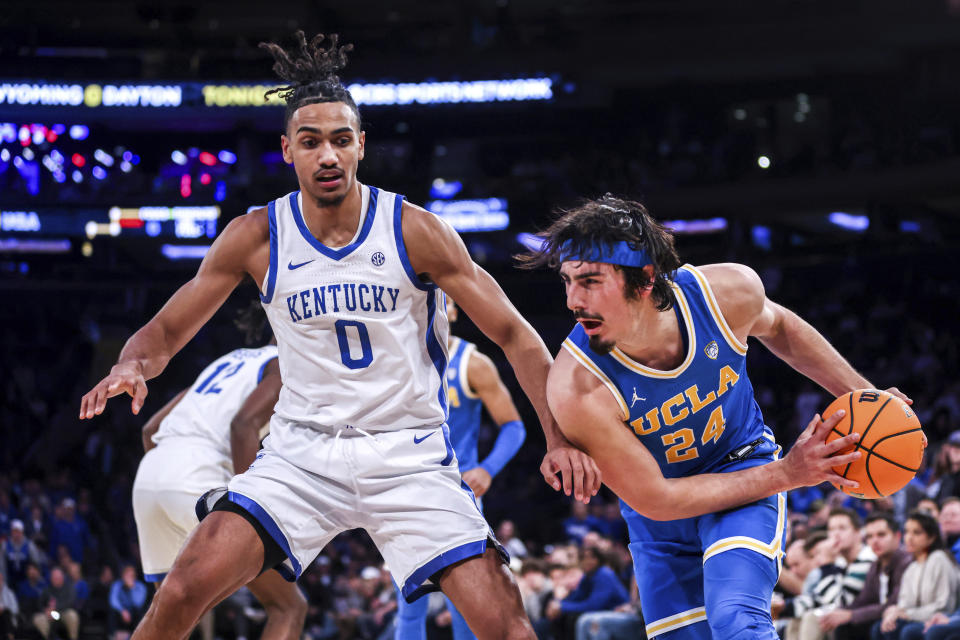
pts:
pixel 378 259
pixel 712 350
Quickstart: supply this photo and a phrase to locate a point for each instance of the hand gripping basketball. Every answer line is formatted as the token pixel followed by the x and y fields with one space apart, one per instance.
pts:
pixel 813 460
pixel 891 441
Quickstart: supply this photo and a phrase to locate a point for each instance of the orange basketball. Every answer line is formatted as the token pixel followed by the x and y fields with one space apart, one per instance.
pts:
pixel 891 441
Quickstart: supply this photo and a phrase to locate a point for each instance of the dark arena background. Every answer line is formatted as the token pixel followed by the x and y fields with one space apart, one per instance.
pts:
pixel 816 141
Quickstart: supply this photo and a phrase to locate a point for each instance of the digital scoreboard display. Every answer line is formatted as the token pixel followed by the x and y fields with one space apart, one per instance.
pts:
pixel 184 222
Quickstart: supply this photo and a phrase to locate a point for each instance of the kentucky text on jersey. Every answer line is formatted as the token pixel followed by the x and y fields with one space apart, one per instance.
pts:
pixel 348 295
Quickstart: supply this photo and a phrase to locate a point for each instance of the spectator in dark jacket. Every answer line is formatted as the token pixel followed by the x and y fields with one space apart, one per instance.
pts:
pixel 29 590
pixel 58 604
pixel 881 586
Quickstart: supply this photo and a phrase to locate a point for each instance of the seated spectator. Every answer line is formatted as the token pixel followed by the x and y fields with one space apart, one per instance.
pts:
pixel 930 584
pixel 929 505
pixel 9 611
pixel 839 582
pixel 69 530
pixel 942 627
pixel 18 551
pixel 623 623
pixel 58 602
pixel 882 584
pixel 535 588
pixel 8 513
pixel 580 523
pixel 506 534
pixel 599 589
pixel 950 525
pixel 128 603
pixel 29 590
pixel 797 564
pixel 75 573
pixel 98 604
pixel 950 475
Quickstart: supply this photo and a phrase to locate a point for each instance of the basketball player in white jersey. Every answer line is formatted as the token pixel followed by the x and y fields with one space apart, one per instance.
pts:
pixel 199 440
pixel 351 279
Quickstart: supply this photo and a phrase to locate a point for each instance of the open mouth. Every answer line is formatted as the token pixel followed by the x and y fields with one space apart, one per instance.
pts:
pixel 590 325
pixel 329 179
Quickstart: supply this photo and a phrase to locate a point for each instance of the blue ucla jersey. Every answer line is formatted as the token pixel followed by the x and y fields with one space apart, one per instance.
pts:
pixel 465 405
pixel 693 417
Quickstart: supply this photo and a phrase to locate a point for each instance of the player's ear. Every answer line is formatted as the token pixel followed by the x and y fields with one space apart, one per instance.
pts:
pixel 362 140
pixel 648 273
pixel 285 147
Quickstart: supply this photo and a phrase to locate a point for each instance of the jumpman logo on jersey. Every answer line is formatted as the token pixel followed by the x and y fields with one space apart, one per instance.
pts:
pixel 635 398
pixel 292 266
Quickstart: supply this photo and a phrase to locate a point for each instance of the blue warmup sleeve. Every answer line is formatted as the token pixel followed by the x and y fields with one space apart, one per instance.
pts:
pixel 511 437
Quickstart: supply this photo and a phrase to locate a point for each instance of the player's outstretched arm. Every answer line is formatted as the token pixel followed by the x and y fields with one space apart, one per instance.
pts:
pixel 749 312
pixel 153 424
pixel 252 415
pixel 484 380
pixel 590 417
pixel 438 254
pixel 241 248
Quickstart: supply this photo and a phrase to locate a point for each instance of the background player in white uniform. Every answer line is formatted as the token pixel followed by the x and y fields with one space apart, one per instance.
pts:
pixel 350 278
pixel 197 441
pixel 472 382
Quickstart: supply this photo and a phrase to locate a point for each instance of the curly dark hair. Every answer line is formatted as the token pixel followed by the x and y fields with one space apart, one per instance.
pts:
pixel 605 221
pixel 251 321
pixel 310 73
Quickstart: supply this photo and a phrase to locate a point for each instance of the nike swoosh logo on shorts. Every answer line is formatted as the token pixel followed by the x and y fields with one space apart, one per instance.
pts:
pixel 417 440
pixel 292 266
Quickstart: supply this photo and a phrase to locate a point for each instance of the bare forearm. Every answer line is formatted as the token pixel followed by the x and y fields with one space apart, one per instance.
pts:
pixel 706 493
pixel 148 350
pixel 803 348
pixel 244 446
pixel 531 362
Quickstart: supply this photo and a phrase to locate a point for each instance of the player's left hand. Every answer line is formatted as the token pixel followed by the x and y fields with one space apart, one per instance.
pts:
pixel 478 479
pixel 580 474
pixel 908 400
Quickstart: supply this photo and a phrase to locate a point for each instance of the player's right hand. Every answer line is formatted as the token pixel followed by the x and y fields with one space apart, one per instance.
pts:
pixel 811 459
pixel 579 473
pixel 124 377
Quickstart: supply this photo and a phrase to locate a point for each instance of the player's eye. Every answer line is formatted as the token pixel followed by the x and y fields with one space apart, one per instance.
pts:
pixel 308 142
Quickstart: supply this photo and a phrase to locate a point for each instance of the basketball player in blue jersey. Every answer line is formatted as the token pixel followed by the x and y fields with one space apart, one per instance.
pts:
pixel 198 440
pixel 352 280
pixel 652 384
pixel 473 384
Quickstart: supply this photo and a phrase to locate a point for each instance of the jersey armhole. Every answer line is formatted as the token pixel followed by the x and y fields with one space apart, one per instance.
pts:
pixel 468 349
pixel 263 368
pixel 270 280
pixel 715 311
pixel 590 366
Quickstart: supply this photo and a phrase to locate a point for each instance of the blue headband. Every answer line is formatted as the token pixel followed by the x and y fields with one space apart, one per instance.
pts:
pixel 617 253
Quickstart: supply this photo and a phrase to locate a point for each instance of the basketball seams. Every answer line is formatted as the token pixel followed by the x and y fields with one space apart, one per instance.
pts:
pixel 857 446
pixel 893 435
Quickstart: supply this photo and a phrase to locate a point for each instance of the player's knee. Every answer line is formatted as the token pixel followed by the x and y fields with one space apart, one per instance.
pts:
pixel 176 593
pixel 732 619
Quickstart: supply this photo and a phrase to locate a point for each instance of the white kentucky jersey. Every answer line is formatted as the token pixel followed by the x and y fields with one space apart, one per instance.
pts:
pixel 215 397
pixel 363 341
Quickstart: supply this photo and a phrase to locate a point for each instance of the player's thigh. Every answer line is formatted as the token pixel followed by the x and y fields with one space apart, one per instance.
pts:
pixel 670 584
pixel 417 510
pixel 743 552
pixel 483 590
pixel 222 554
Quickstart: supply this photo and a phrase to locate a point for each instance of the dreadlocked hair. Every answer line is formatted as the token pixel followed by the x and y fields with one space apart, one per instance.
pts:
pixel 251 321
pixel 310 73
pixel 604 222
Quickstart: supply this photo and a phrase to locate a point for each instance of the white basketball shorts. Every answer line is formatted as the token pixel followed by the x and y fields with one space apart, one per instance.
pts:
pixel 170 479
pixel 403 487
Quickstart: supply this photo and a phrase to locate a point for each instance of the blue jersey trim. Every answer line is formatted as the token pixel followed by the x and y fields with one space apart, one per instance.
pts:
pixel 342 252
pixel 273 529
pixel 446 440
pixel 437 354
pixel 413 588
pixel 154 577
pixel 402 249
pixel 272 275
pixel 263 367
